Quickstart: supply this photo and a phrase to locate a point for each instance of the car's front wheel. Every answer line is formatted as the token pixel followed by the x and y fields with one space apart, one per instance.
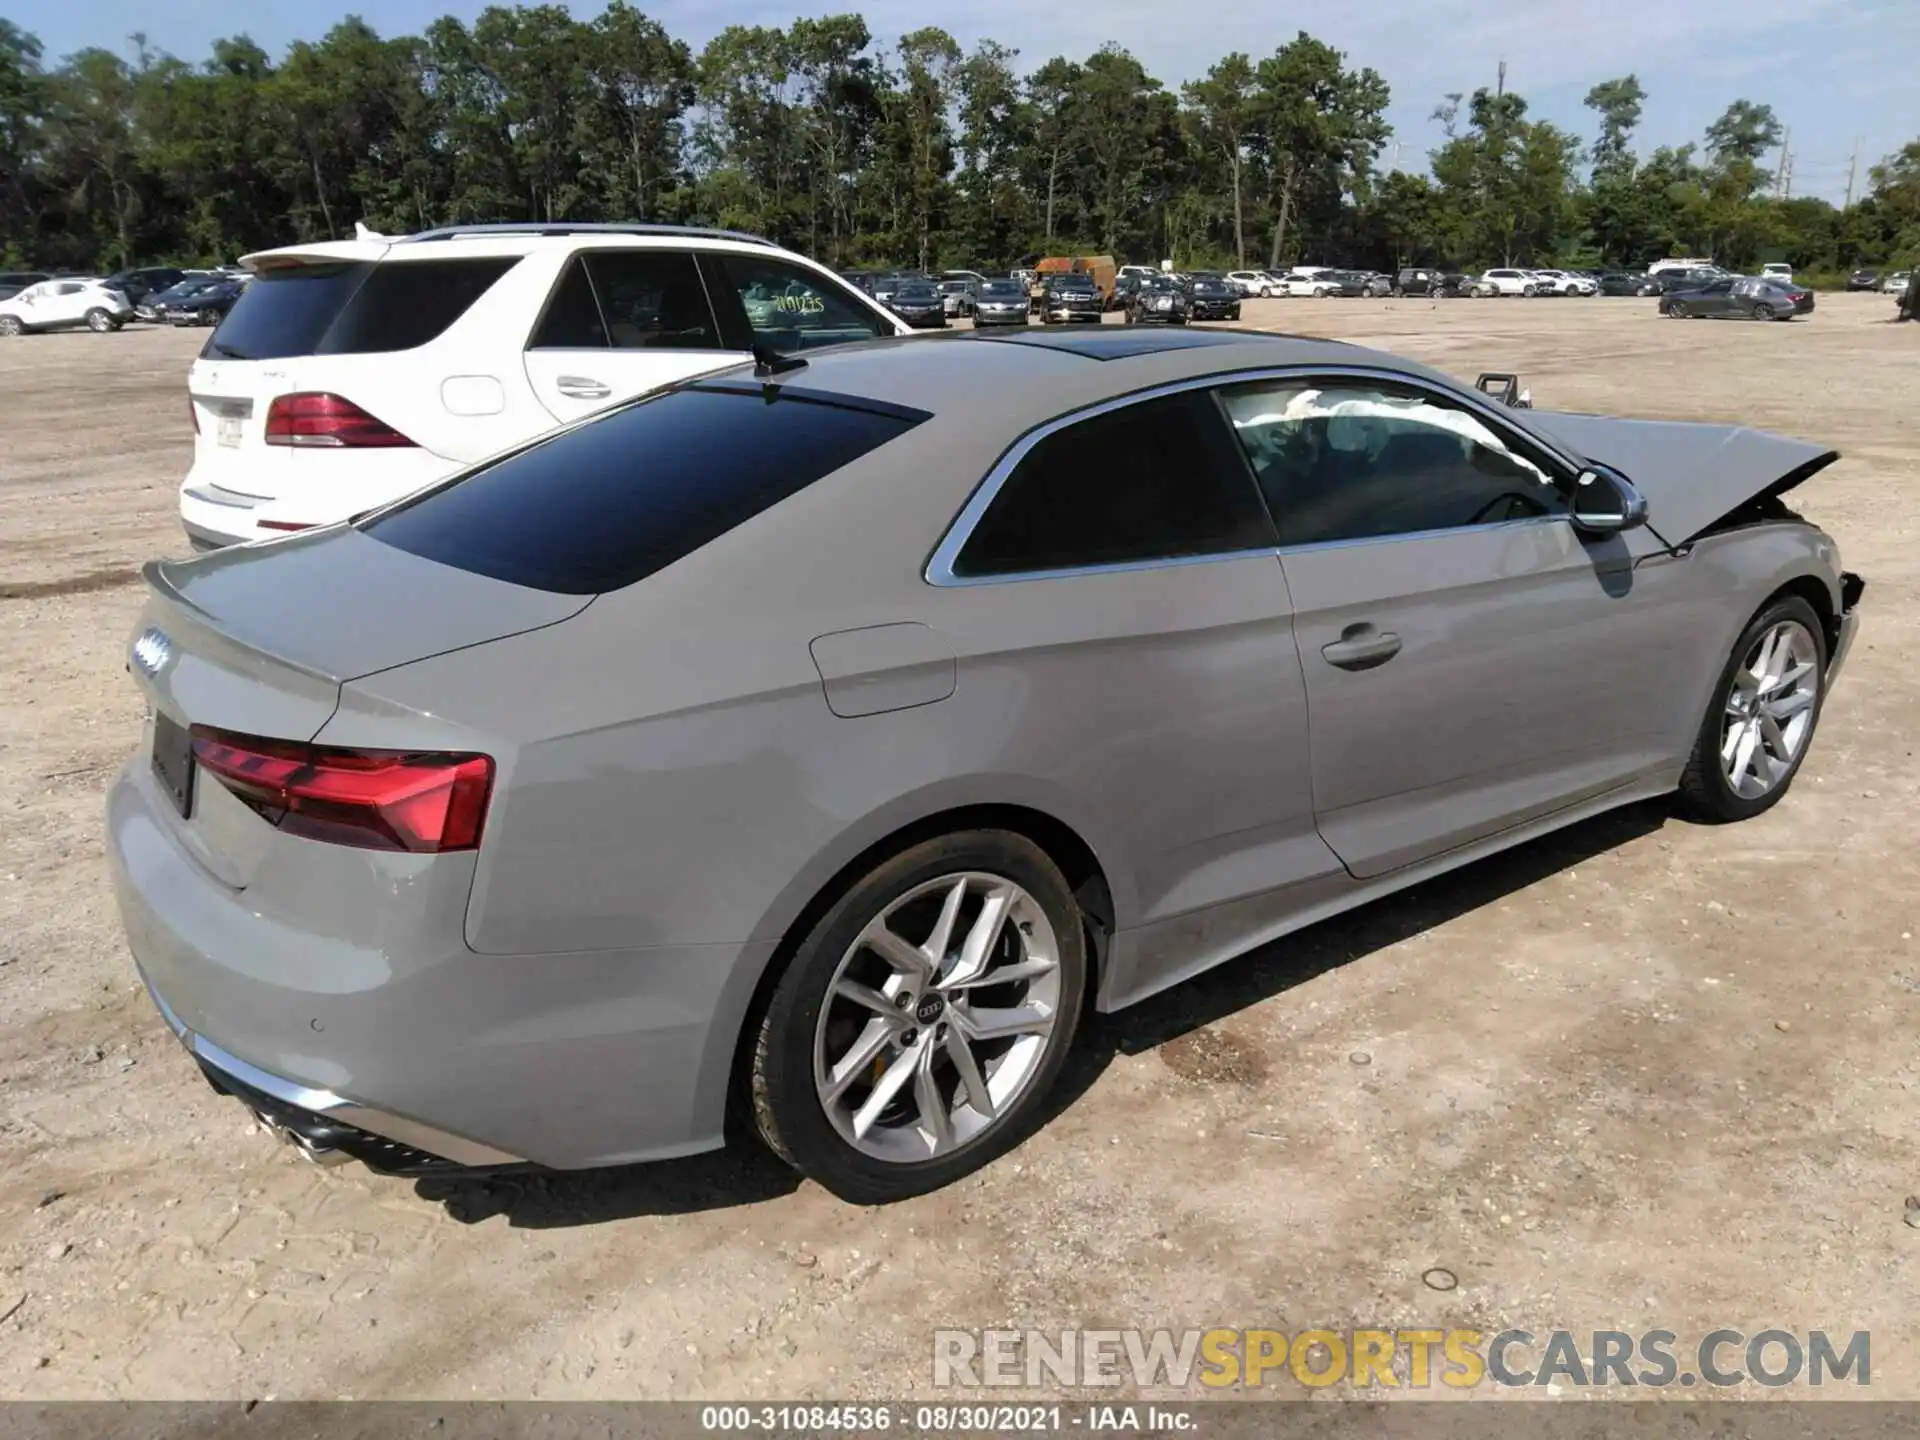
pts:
pixel 1760 722
pixel 923 1019
pixel 10 325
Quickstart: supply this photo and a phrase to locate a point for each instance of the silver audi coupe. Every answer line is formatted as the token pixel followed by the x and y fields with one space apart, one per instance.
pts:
pixel 814 743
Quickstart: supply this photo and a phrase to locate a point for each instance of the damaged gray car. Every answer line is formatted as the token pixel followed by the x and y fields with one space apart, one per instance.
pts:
pixel 814 744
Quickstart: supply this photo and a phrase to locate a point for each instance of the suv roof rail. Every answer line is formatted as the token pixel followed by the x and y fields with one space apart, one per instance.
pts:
pixel 568 227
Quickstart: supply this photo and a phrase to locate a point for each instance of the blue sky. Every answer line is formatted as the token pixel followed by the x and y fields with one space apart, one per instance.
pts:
pixel 1838 73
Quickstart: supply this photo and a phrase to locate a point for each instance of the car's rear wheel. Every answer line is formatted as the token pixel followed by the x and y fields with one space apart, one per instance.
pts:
pixel 1677 311
pixel 10 325
pixel 923 1019
pixel 99 321
pixel 1760 723
pixel 1763 312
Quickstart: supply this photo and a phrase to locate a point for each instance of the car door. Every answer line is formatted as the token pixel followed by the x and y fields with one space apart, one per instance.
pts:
pixel 1716 298
pixel 1470 661
pixel 1122 629
pixel 620 323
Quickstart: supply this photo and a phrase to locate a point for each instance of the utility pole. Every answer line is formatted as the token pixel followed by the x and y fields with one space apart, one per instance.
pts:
pixel 1783 182
pixel 1852 159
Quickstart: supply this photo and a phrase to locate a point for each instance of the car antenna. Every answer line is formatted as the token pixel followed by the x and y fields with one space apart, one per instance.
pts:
pixel 769 361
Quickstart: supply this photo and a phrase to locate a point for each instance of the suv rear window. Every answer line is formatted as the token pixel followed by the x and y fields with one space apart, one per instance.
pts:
pixel 352 308
pixel 606 504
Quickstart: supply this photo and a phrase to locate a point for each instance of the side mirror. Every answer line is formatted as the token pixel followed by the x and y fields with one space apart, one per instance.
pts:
pixel 1506 389
pixel 1605 502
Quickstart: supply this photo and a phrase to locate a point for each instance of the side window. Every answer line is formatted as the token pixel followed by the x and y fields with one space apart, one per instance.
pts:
pixel 794 309
pixel 67 288
pixel 1151 481
pixel 652 300
pixel 1352 460
pixel 572 321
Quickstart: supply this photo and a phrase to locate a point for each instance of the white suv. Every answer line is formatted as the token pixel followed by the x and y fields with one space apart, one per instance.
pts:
pixel 1559 282
pixel 354 372
pixel 65 304
pixel 1506 282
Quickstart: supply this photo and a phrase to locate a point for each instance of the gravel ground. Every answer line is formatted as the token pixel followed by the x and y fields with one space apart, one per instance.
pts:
pixel 1637 1074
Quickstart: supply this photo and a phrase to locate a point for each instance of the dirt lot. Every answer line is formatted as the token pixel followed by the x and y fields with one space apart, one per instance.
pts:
pixel 1638 1074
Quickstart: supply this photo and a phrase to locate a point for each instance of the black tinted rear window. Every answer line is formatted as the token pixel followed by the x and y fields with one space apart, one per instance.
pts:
pixel 352 308
pixel 599 507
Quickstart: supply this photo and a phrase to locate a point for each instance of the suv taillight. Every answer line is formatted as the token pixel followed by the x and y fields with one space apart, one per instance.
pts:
pixel 374 799
pixel 319 419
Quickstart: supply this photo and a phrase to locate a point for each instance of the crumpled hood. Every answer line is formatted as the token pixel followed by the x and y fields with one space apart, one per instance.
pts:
pixel 1691 474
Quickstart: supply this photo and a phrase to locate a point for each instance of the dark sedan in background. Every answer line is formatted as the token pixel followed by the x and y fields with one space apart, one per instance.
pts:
pixel 193 302
pixel 1212 297
pixel 1864 280
pixel 1071 299
pixel 920 304
pixel 1001 302
pixel 1156 300
pixel 1739 297
pixel 1621 282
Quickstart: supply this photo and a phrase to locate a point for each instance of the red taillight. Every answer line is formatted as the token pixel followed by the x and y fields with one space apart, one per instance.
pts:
pixel 317 418
pixel 375 799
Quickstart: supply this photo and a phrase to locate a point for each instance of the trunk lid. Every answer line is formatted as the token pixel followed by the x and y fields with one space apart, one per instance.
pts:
pixel 259 640
pixel 1692 474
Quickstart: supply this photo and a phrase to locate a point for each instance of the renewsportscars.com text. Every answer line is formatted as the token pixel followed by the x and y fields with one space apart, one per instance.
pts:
pixel 1397 1359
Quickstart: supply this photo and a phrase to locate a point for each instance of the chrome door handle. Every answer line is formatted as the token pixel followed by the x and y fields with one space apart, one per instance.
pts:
pixel 583 387
pixel 1361 647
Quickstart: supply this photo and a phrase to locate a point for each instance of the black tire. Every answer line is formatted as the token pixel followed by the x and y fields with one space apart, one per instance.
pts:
pixel 787 1107
pixel 1705 794
pixel 1677 311
pixel 99 321
pixel 1764 312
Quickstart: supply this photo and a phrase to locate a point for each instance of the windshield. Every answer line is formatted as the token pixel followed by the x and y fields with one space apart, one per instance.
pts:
pixel 1002 289
pixel 913 290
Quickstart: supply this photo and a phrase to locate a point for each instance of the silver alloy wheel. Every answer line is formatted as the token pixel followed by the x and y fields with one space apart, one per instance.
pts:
pixel 1770 709
pixel 99 321
pixel 938 1017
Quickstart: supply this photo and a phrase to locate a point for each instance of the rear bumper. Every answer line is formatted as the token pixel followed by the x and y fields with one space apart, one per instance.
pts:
pixel 349 1014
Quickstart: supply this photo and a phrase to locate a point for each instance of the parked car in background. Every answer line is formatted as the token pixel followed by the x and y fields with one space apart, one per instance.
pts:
pixel 1896 282
pixel 920 304
pixel 1506 281
pixel 1136 270
pixel 153 307
pixel 1679 262
pixel 1777 270
pixel 137 284
pixel 1621 282
pixel 431 849
pixel 1563 282
pixel 960 297
pixel 1157 300
pixel 886 286
pixel 1417 280
pixel 64 305
pixel 1863 279
pixel 1310 282
pixel 1252 282
pixel 206 304
pixel 1002 302
pixel 974 275
pixel 12 282
pixel 1739 297
pixel 353 372
pixel 1070 298
pixel 1212 297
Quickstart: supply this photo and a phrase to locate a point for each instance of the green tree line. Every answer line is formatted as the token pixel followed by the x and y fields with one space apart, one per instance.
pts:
pixel 919 153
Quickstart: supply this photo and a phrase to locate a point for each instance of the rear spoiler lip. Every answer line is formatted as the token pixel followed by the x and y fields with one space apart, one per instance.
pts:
pixel 154 572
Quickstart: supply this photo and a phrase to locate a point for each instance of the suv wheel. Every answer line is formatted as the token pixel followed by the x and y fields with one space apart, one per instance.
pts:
pixel 923 1019
pixel 99 321
pixel 10 325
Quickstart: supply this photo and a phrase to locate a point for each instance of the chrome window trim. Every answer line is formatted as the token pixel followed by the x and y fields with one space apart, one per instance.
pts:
pixel 939 569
